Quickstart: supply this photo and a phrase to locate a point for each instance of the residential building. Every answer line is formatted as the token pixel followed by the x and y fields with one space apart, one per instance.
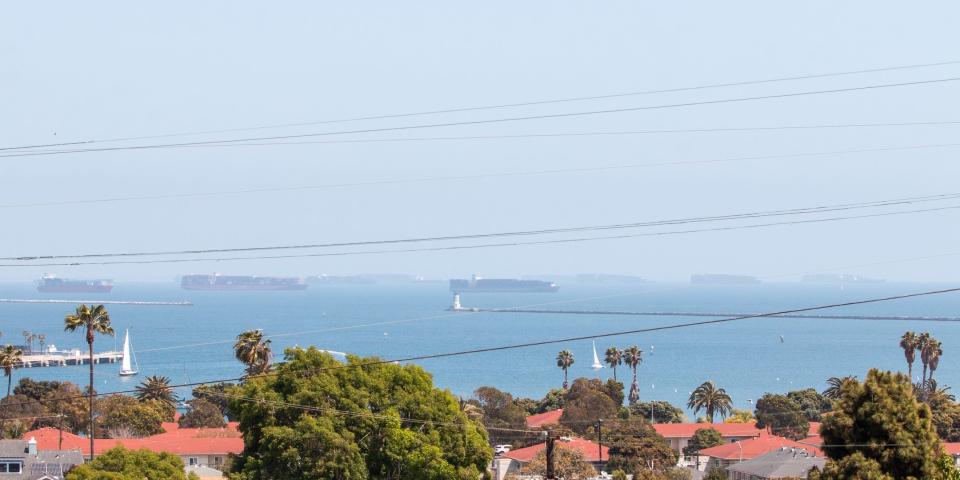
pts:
pixel 24 460
pixel 680 434
pixel 723 456
pixel 952 449
pixel 784 462
pixel 545 419
pixel 200 447
pixel 514 460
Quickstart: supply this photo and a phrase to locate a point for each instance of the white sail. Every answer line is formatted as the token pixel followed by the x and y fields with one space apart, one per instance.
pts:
pixel 126 367
pixel 596 360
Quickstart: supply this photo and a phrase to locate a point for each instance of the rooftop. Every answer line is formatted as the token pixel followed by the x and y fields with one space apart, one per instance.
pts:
pixel 780 463
pixel 547 418
pixel 686 430
pixel 756 447
pixel 180 441
pixel 48 464
pixel 586 447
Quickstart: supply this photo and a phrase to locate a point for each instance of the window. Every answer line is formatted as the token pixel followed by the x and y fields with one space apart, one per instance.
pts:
pixel 218 461
pixel 10 467
pixel 193 461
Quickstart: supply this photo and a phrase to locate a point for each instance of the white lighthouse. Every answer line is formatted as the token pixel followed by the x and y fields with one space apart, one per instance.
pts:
pixel 456 303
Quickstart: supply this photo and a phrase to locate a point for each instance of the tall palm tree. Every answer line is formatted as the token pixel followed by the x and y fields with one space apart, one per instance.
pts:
pixel 254 351
pixel 26 337
pixel 9 358
pixel 43 342
pixel 157 388
pixel 834 386
pixel 614 358
pixel 565 361
pixel 93 320
pixel 632 356
pixel 923 340
pixel 711 400
pixel 909 342
pixel 934 351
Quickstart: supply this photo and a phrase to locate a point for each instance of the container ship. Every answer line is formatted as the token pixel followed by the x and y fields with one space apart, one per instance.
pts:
pixel 240 282
pixel 53 284
pixel 501 285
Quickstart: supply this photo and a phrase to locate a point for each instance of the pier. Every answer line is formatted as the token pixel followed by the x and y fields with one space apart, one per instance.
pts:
pixel 35 360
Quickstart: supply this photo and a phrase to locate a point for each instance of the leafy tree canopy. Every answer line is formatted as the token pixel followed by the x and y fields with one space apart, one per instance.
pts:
pixel 553 400
pixel 703 438
pixel 636 446
pixel 587 401
pixel 375 421
pixel 499 411
pixel 812 403
pixel 122 416
pixel 122 464
pixel 662 412
pixel 568 464
pixel 217 394
pixel 36 390
pixel 881 411
pixel 202 414
pixel 782 416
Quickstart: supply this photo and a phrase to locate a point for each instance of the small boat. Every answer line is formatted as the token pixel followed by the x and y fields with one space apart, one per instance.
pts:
pixel 596 360
pixel 126 368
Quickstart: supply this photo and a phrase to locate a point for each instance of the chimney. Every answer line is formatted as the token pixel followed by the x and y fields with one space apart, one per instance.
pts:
pixel 32 446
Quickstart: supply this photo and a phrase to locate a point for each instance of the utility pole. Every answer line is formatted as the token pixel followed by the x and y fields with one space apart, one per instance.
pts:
pixel 599 428
pixel 550 469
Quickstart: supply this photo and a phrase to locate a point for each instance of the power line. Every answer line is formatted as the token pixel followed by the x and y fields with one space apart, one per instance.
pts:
pixel 545 342
pixel 518 233
pixel 504 105
pixel 554 171
pixel 500 120
pixel 562 135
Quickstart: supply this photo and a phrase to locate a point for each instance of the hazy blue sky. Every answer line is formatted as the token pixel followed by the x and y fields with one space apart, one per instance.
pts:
pixel 80 70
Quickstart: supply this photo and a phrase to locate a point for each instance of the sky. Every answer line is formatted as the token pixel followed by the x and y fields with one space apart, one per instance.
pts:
pixel 80 71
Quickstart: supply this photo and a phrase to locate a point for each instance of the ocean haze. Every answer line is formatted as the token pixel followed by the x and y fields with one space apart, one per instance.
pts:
pixel 95 71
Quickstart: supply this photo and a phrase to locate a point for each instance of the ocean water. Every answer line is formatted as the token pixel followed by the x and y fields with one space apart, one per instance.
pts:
pixel 747 358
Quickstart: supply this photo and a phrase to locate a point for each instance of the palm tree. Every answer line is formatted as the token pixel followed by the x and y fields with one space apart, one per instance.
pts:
pixel 26 337
pixel 935 395
pixel 565 361
pixel 472 411
pixel 43 342
pixel 632 356
pixel 254 351
pixel 922 341
pixel 9 358
pixel 613 357
pixel 834 386
pixel 933 352
pixel 93 320
pixel 711 400
pixel 909 342
pixel 157 388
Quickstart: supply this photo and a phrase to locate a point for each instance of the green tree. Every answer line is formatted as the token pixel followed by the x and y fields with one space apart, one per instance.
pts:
pixel 614 358
pixel 782 416
pixel 217 394
pixel 123 416
pixel 568 464
pixel 202 414
pixel 632 357
pixel 122 464
pixel 636 446
pixel 711 400
pixel 378 420
pixel 587 402
pixel 156 388
pixel 852 467
pixel 94 320
pixel 658 411
pixel 881 422
pixel 499 412
pixel 703 438
pixel 35 390
pixel 619 475
pixel 678 473
pixel 18 415
pixel 715 474
pixel 9 358
pixel 72 411
pixel 528 405
pixel 740 416
pixel 812 404
pixel 565 361
pixel 553 400
pixel 255 352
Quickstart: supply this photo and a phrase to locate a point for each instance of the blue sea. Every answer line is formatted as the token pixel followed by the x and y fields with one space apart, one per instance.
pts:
pixel 747 358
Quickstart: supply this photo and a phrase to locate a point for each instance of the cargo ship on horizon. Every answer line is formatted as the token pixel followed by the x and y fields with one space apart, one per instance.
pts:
pixel 501 285
pixel 220 282
pixel 53 284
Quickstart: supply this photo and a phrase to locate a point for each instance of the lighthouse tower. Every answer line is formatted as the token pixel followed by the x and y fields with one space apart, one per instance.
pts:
pixel 456 302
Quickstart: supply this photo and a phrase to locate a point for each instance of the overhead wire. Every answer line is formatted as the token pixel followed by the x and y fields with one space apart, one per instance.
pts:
pixel 552 171
pixel 485 245
pixel 489 121
pixel 515 233
pixel 504 105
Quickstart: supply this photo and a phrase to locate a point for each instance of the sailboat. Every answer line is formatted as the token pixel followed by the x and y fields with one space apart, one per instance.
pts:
pixel 596 360
pixel 126 368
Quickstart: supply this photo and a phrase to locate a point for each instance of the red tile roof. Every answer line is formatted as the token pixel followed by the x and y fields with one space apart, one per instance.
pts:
pixel 180 441
pixel 686 430
pixel 755 447
pixel 549 418
pixel 588 448
pixel 952 448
